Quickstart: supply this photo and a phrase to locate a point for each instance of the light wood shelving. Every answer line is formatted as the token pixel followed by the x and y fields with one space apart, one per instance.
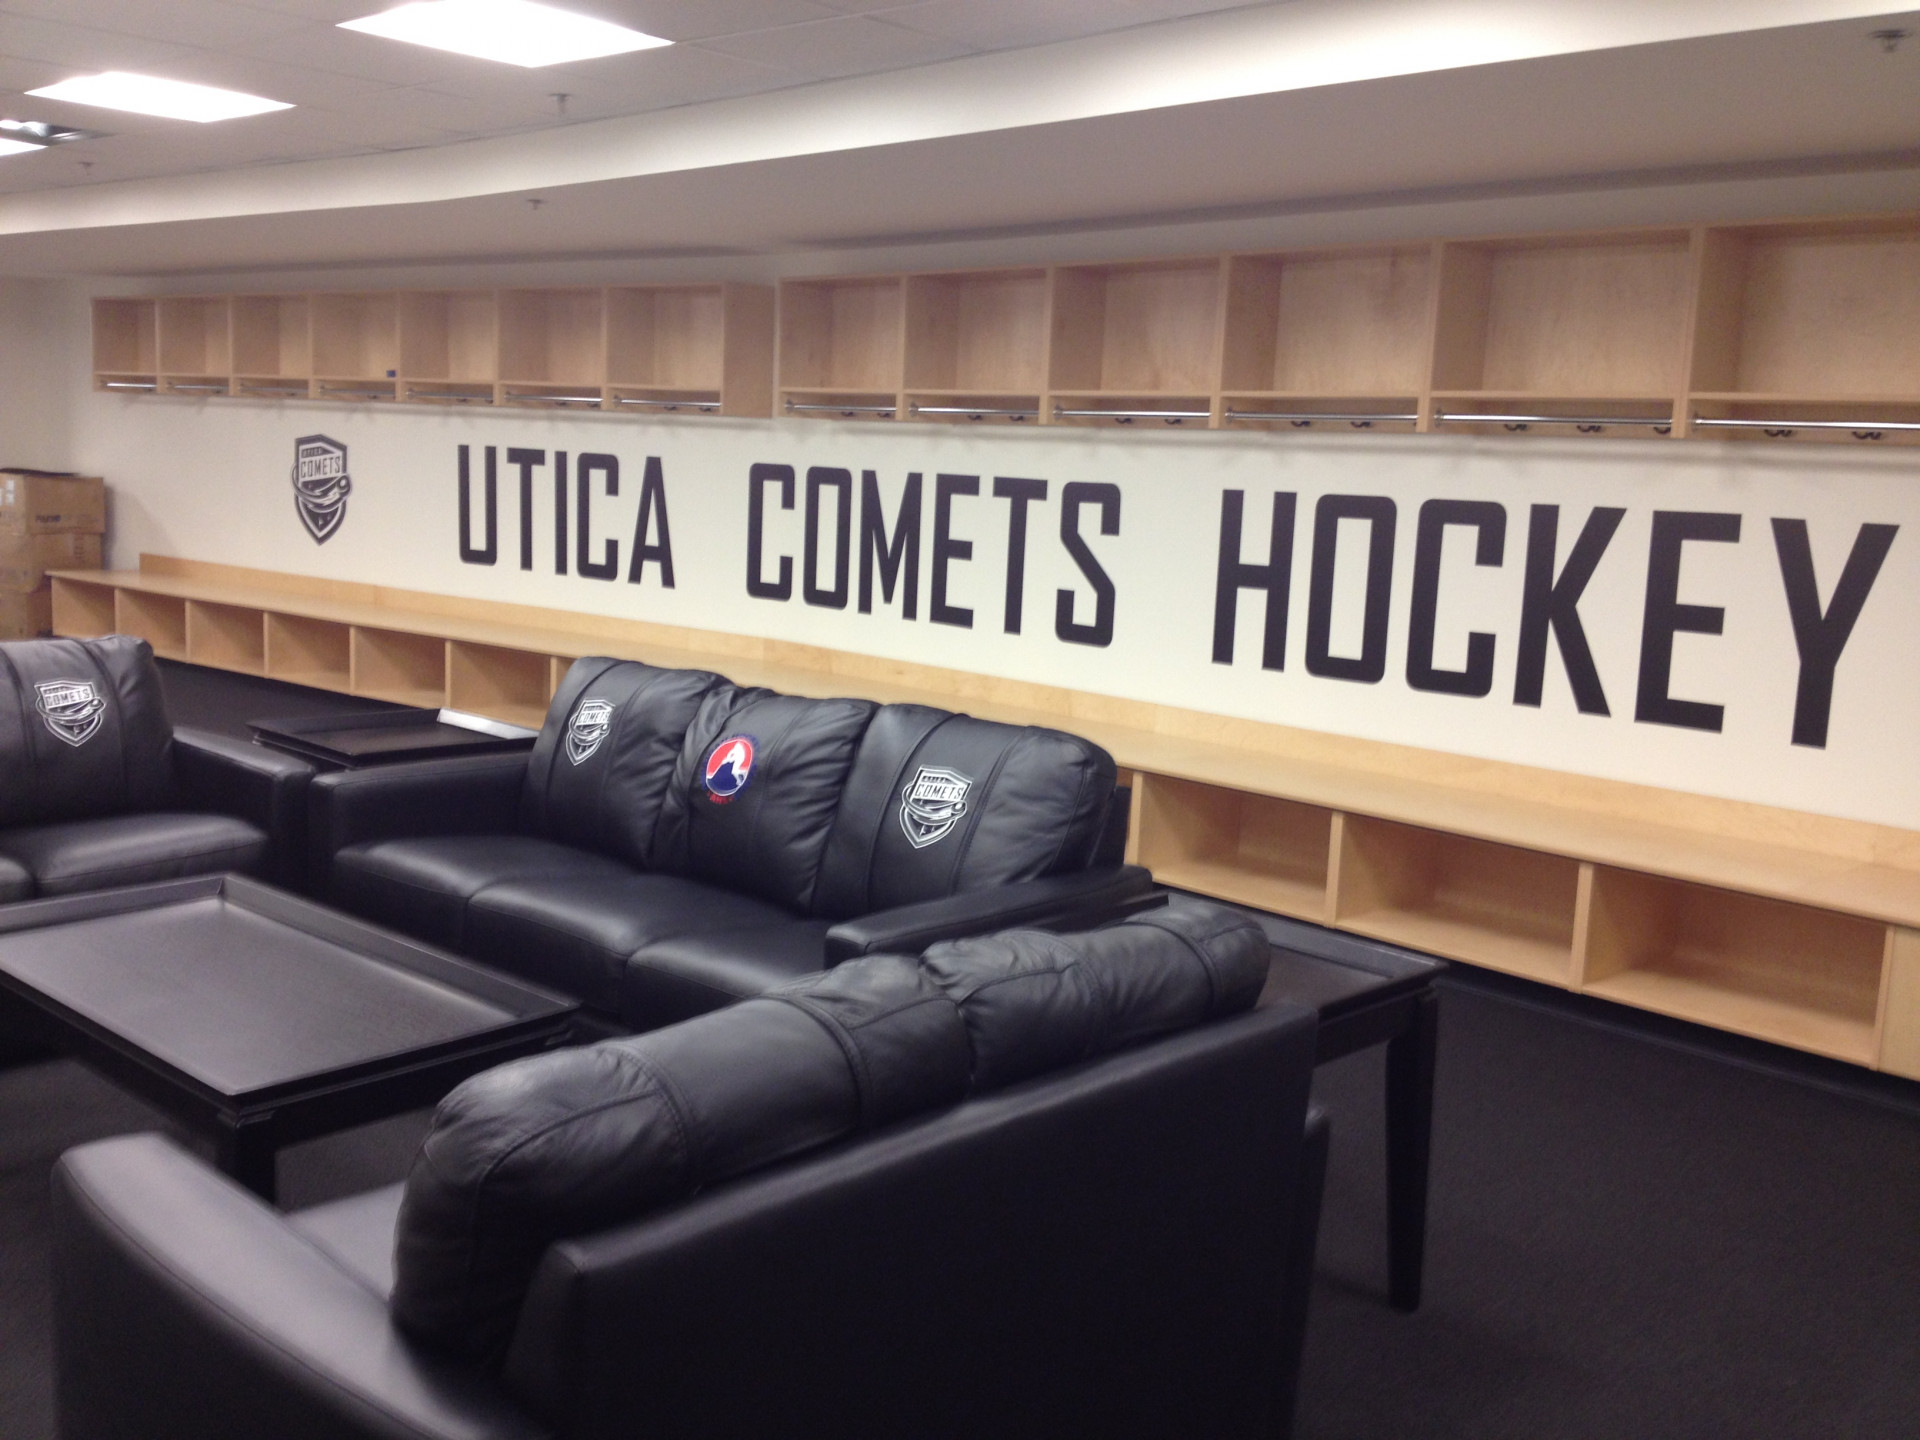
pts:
pixel 842 345
pixel 126 344
pixel 1794 928
pixel 196 345
pixel 272 345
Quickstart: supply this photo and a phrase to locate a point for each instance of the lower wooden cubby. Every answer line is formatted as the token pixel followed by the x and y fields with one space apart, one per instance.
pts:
pixel 1494 905
pixel 304 651
pixel 1254 849
pixel 160 620
pixel 510 685
pixel 227 637
pixel 395 665
pixel 83 609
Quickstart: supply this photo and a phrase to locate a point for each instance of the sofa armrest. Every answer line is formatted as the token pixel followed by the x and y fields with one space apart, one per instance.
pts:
pixel 186 1309
pixel 261 786
pixel 1059 902
pixel 469 795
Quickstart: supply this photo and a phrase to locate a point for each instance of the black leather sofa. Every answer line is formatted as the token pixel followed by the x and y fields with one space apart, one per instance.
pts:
pixel 101 790
pixel 1029 1185
pixel 675 842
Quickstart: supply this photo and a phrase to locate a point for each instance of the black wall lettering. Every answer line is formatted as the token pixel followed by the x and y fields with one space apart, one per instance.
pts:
pixel 1490 548
pixel 1018 494
pixel 825 477
pixel 470 553
pixel 1821 637
pixel 902 552
pixel 1234 575
pixel 525 461
pixel 559 512
pixel 653 497
pixel 1553 605
pixel 946 548
pixel 1665 617
pixel 607 567
pixel 758 478
pixel 1379 513
pixel 1072 497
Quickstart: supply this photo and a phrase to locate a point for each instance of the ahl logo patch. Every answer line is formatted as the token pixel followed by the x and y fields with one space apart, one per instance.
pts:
pixel 320 485
pixel 72 709
pixel 589 726
pixel 933 804
pixel 729 767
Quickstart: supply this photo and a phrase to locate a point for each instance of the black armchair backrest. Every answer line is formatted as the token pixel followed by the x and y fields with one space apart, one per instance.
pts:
pixel 83 730
pixel 938 804
pixel 606 755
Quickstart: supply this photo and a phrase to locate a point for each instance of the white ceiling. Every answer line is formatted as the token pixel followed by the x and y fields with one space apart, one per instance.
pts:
pixel 947 118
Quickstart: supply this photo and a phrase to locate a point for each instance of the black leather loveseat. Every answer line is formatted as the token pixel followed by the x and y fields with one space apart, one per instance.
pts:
pixel 1028 1186
pixel 675 842
pixel 97 788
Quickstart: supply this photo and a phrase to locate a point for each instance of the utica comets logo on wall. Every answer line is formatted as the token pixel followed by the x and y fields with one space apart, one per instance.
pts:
pixel 588 728
pixel 933 804
pixel 729 767
pixel 72 709
pixel 320 485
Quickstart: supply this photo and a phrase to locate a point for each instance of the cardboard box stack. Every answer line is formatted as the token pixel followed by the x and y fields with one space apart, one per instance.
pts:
pixel 48 521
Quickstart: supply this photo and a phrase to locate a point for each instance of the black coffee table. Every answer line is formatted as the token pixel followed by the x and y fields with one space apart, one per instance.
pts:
pixel 259 1018
pixel 382 737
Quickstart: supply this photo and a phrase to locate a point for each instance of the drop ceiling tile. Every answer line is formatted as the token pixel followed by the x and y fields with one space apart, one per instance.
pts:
pixel 368 57
pixel 630 84
pixel 1006 24
pixel 290 84
pixel 702 19
pixel 214 23
pixel 80 50
pixel 848 45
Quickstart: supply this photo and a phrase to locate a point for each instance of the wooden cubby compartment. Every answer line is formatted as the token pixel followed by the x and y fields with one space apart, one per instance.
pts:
pixel 552 343
pixel 1580 325
pixel 82 608
pixel 196 344
pixel 356 345
pixel 1329 332
pixel 1494 905
pixel 667 338
pixel 227 637
pixel 400 666
pixel 126 341
pixel 499 683
pixel 1137 335
pixel 841 342
pixel 449 342
pixel 1778 971
pixel 160 620
pixel 979 337
pixel 1254 849
pixel 272 344
pixel 312 652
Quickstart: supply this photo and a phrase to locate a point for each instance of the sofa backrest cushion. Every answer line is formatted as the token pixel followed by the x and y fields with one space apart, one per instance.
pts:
pixel 755 792
pixel 1034 1001
pixel 83 730
pixel 606 755
pixel 939 804
pixel 572 1141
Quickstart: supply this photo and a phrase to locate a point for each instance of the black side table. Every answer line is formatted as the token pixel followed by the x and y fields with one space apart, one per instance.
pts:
pixel 381 737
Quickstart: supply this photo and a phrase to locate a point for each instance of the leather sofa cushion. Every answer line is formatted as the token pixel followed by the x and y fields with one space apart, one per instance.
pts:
pixel 15 882
pixel 130 849
pixel 421 885
pixel 575 931
pixel 681 976
pixel 755 791
pixel 1033 1001
pixel 606 755
pixel 357 1232
pixel 83 730
pixel 939 804
pixel 576 1140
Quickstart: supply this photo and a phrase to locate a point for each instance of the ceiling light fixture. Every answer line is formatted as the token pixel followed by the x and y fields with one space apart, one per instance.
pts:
pixel 17 147
pixel 41 133
pixel 150 95
pixel 516 32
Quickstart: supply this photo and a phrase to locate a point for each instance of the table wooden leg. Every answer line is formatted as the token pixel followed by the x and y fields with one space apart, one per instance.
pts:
pixel 247 1152
pixel 1410 1062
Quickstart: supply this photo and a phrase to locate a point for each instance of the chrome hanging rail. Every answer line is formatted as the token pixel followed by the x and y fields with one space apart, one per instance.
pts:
pixel 1304 418
pixel 462 397
pixel 130 385
pixel 535 399
pixel 352 393
pixel 974 412
pixel 1127 417
pixel 795 407
pixel 246 389
pixel 653 404
pixel 1586 423
pixel 207 389
pixel 1780 429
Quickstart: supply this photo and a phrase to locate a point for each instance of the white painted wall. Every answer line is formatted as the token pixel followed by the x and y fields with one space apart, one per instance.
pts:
pixel 37 369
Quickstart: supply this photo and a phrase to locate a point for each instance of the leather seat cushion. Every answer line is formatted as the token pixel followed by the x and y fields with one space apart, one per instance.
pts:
pixel 15 882
pixel 422 885
pixel 83 730
pixel 357 1232
pixel 686 975
pixel 76 855
pixel 575 931
pixel 573 1141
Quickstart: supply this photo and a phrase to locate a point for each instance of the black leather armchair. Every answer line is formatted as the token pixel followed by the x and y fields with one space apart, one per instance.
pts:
pixel 101 790
pixel 1028 1186
pixel 674 842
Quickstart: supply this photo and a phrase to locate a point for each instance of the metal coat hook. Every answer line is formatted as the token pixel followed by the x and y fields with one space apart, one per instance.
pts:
pixel 1777 434
pixel 1520 425
pixel 1869 435
pixel 1589 429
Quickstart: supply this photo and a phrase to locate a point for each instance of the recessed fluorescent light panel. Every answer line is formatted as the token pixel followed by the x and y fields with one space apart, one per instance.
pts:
pixel 517 32
pixel 150 95
pixel 17 147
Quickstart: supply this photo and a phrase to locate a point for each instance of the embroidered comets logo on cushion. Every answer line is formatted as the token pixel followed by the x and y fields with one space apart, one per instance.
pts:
pixel 72 709
pixel 588 728
pixel 320 485
pixel 729 767
pixel 933 804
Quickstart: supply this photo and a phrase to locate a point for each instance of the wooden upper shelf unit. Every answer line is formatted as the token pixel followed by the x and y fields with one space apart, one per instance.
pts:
pixel 693 349
pixel 1803 330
